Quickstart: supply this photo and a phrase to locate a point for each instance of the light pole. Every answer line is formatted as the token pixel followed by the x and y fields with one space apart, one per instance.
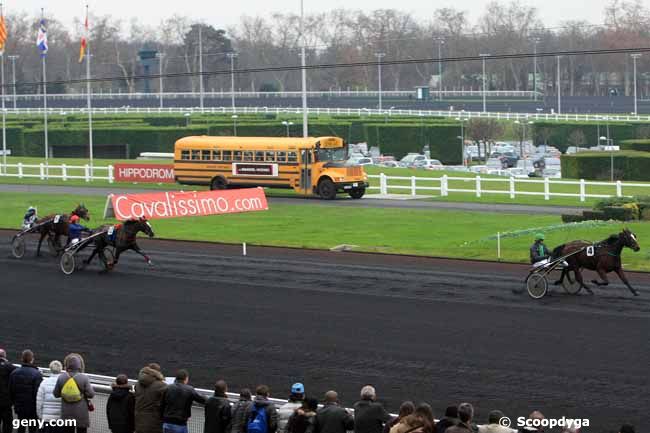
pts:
pixel 379 57
pixel 303 71
pixel 634 58
pixel 559 87
pixel 462 138
pixel 234 124
pixel 609 143
pixel 200 67
pixel 535 42
pixel 523 136
pixel 232 56
pixel 288 125
pixel 160 56
pixel 441 41
pixel 187 119
pixel 13 70
pixel 483 56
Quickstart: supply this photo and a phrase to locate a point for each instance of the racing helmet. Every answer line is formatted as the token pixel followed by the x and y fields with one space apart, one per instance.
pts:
pixel 74 219
pixel 539 237
pixel 31 210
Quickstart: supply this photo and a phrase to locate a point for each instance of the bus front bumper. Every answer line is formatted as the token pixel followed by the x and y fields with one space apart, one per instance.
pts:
pixel 347 186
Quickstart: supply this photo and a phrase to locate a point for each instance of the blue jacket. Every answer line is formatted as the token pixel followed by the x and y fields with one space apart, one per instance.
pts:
pixel 23 388
pixel 75 230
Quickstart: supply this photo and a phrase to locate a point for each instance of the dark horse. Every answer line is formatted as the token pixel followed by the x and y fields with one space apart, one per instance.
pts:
pixel 606 258
pixel 60 228
pixel 122 239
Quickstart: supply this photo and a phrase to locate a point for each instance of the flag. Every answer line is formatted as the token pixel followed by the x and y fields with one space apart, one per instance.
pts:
pixel 41 40
pixel 3 33
pixel 84 40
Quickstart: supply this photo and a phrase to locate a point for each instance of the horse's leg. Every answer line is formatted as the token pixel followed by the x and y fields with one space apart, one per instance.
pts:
pixel 562 276
pixel 603 276
pixel 623 278
pixel 40 242
pixel 582 281
pixel 137 249
pixel 92 255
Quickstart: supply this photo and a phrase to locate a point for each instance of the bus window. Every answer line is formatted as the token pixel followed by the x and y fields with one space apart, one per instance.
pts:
pixel 270 156
pixel 206 155
pixel 259 156
pixel 248 155
pixel 292 157
pixel 216 155
pixel 282 156
pixel 185 154
pixel 237 155
pixel 227 155
pixel 196 155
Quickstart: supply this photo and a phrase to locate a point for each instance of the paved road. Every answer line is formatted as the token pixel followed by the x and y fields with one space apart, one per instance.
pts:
pixel 366 202
pixel 437 330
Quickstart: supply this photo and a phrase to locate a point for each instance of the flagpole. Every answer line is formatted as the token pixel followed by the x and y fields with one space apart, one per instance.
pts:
pixel 88 89
pixel 4 113
pixel 47 167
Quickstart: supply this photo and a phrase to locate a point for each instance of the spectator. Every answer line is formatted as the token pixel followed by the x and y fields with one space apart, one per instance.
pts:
pixel 218 415
pixel 369 415
pixel 286 410
pixel 533 416
pixel 177 403
pixel 240 411
pixel 303 419
pixel 149 392
pixel 465 415
pixel 75 391
pixel 450 419
pixel 120 408
pixel 262 416
pixel 626 428
pixel 405 409
pixel 23 387
pixel 48 407
pixel 493 425
pixel 420 421
pixel 6 413
pixel 332 418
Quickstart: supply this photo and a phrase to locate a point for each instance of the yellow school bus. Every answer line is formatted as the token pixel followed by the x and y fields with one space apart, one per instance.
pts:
pixel 313 165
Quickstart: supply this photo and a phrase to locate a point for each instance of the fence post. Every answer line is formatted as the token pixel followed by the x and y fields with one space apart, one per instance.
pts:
pixel 444 186
pixel 582 190
pixel 413 188
pixel 20 170
pixel 110 174
pixel 64 172
pixel 478 186
pixel 512 187
pixel 87 172
pixel 41 168
pixel 619 189
pixel 383 187
pixel 547 189
pixel 499 246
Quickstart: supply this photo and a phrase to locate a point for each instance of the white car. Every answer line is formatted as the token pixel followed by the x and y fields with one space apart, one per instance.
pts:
pixel 360 161
pixel 389 164
pixel 429 164
pixel 410 159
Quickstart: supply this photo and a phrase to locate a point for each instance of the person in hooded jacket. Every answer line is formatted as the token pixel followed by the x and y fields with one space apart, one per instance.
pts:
pixel 262 402
pixel 240 411
pixel 149 393
pixel 48 407
pixel 218 415
pixel 6 413
pixel 303 419
pixel 120 408
pixel 287 410
pixel 79 410
pixel 23 387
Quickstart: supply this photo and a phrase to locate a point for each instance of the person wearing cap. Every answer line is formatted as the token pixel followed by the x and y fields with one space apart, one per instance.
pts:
pixel 6 413
pixel 30 218
pixel 285 411
pixel 75 230
pixel 539 253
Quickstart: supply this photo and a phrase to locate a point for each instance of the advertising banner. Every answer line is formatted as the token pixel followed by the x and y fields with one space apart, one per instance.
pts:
pixel 144 173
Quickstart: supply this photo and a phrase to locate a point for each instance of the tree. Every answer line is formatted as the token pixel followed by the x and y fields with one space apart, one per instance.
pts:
pixel 577 138
pixel 484 131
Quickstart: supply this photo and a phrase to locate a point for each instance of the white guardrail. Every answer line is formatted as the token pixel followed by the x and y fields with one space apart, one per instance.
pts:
pixel 340 112
pixel 409 184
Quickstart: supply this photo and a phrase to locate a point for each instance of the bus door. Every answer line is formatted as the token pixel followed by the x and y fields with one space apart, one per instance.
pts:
pixel 305 172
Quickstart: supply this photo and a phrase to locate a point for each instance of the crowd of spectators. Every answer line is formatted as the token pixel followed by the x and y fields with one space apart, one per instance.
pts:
pixel 155 406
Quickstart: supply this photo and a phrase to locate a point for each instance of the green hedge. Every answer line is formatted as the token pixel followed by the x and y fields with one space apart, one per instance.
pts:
pixel 628 165
pixel 638 145
pixel 560 132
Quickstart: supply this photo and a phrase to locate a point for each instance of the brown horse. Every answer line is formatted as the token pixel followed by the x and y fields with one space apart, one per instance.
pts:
pixel 602 257
pixel 56 227
pixel 122 238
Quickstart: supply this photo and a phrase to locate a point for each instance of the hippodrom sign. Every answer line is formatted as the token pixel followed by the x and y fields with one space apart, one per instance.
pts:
pixel 175 204
pixel 144 173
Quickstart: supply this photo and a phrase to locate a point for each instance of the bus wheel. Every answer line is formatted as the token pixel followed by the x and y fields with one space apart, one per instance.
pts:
pixel 218 183
pixel 357 193
pixel 327 189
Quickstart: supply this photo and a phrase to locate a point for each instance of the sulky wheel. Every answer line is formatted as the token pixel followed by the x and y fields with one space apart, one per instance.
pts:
pixel 537 286
pixel 67 263
pixel 570 283
pixel 18 247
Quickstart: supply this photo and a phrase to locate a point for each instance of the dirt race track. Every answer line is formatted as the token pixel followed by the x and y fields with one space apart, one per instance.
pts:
pixel 437 330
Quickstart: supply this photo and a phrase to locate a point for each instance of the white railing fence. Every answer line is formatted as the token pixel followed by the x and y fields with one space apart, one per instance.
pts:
pixel 476 186
pixel 64 172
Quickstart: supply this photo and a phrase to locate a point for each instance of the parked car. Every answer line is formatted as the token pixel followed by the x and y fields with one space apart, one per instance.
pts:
pixel 360 161
pixel 495 164
pixel 429 164
pixel 410 159
pixel 389 164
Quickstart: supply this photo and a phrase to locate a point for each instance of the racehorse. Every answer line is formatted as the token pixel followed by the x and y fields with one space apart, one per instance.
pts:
pixel 122 238
pixel 605 258
pixel 59 228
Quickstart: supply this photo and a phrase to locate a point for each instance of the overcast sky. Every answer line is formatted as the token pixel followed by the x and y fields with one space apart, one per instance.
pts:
pixel 151 12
